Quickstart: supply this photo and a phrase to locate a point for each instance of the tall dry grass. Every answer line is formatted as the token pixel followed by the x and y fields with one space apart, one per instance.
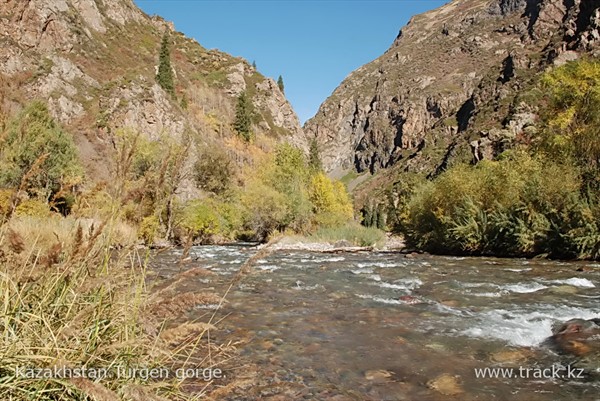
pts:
pixel 69 297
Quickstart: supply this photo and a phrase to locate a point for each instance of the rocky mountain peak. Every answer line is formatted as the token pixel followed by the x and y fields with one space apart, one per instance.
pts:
pixel 95 61
pixel 505 7
pixel 411 105
pixel 57 24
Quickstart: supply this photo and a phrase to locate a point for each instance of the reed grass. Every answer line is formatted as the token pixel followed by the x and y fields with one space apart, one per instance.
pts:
pixel 69 298
pixel 352 232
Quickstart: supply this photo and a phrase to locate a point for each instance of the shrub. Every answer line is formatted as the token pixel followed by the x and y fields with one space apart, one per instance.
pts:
pixel 148 229
pixel 265 209
pixel 517 206
pixel 213 171
pixel 33 208
pixel 37 155
pixel 331 203
pixel 5 202
pixel 199 219
pixel 288 194
pixel 572 116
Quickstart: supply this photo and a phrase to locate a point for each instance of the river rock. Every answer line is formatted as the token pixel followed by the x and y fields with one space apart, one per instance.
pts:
pixel 446 384
pixel 509 356
pixel 577 348
pixel 400 340
pixel 378 375
pixel 343 244
pixel 436 346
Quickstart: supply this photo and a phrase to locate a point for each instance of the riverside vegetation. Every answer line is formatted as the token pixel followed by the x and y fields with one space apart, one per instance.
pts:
pixel 73 281
pixel 539 196
pixel 73 284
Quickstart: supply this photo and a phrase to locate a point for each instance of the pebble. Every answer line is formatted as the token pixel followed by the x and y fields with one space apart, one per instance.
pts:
pixel 446 384
pixel 436 346
pixel 378 375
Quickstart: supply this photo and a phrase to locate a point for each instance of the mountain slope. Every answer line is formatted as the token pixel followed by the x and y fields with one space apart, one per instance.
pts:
pixel 447 86
pixel 95 61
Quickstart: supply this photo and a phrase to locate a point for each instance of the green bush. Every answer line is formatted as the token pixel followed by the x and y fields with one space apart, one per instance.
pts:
pixel 572 115
pixel 289 194
pixel 213 171
pixel 517 206
pixel 33 208
pixel 37 155
pixel 331 203
pixel 148 229
pixel 199 219
pixel 265 210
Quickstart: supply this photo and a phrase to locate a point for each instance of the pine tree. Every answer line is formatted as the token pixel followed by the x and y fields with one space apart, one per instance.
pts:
pixel 254 65
pixel 380 218
pixel 314 159
pixel 367 217
pixel 280 84
pixel 243 117
pixel 164 77
pixel 374 218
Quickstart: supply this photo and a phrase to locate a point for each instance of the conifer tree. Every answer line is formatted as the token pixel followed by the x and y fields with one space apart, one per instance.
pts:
pixel 164 77
pixel 380 217
pixel 374 217
pixel 243 117
pixel 280 84
pixel 314 159
pixel 367 215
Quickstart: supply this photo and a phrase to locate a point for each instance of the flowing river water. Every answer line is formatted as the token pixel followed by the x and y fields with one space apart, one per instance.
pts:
pixel 383 326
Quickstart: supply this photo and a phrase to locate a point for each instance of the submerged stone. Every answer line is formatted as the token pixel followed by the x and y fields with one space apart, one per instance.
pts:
pixel 446 384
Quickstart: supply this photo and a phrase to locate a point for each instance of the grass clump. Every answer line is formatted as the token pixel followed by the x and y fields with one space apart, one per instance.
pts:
pixel 352 232
pixel 68 301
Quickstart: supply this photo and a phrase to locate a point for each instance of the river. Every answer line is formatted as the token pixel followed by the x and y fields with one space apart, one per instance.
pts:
pixel 383 326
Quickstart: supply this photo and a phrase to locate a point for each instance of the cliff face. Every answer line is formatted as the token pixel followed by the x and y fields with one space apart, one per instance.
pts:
pixel 449 79
pixel 95 61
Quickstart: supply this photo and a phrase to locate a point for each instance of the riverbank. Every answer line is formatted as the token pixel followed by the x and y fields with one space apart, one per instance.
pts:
pixel 389 242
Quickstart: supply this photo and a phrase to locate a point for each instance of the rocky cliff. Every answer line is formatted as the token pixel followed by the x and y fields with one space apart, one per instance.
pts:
pixel 450 83
pixel 95 61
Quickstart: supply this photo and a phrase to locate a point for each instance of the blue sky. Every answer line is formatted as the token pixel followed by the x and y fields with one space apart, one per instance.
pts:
pixel 313 44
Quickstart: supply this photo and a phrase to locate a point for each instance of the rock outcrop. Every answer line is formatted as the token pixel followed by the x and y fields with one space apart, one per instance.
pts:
pixel 95 62
pixel 447 81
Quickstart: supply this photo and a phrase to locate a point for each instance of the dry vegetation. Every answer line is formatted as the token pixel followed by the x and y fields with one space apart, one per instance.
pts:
pixel 68 299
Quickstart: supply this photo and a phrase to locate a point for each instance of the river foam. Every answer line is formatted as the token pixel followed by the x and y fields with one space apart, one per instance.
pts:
pixel 523 327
